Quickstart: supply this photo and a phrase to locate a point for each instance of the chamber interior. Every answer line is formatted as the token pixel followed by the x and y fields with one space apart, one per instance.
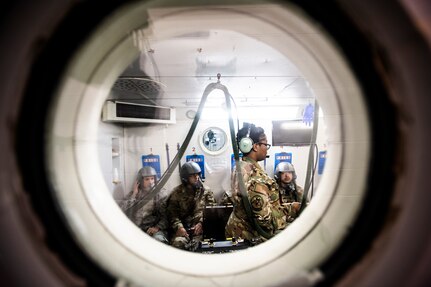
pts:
pixel 274 61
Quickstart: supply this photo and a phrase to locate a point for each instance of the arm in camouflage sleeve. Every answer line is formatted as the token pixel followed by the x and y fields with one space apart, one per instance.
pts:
pixel 292 208
pixel 130 198
pixel 207 198
pixel 300 191
pixel 173 212
pixel 261 206
pixel 127 202
pixel 163 222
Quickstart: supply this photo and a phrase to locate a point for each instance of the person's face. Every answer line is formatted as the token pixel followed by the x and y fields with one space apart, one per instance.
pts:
pixel 148 182
pixel 286 177
pixel 193 178
pixel 261 148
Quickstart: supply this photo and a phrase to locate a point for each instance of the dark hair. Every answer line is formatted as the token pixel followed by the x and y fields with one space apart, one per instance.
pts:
pixel 255 132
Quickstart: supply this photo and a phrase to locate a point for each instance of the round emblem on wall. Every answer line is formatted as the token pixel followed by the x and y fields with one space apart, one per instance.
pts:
pixel 213 140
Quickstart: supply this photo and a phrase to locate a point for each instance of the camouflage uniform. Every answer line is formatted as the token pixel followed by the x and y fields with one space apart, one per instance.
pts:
pixel 152 214
pixel 264 198
pixel 288 194
pixel 185 209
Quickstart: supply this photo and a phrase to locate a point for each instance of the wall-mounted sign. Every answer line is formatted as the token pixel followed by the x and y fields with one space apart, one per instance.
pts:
pixel 322 160
pixel 281 157
pixel 200 160
pixel 152 160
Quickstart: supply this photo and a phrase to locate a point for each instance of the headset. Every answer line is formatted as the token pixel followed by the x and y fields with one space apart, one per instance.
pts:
pixel 246 143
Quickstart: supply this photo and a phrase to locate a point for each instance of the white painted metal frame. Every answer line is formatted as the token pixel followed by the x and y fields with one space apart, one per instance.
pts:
pixel 106 234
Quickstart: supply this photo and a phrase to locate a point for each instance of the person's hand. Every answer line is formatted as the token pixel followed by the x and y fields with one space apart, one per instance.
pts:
pixel 296 206
pixel 135 189
pixel 181 232
pixel 197 229
pixel 152 230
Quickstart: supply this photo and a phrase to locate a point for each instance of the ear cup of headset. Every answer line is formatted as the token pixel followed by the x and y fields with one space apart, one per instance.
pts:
pixel 245 145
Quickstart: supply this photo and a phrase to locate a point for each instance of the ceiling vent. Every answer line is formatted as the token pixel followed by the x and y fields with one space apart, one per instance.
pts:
pixel 116 111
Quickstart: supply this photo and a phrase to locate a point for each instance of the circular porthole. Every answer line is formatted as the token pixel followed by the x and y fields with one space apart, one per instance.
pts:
pixel 84 225
pixel 82 192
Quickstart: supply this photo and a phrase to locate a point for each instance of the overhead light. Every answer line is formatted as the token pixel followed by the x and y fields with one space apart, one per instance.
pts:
pixel 214 113
pixel 253 99
pixel 191 103
pixel 262 112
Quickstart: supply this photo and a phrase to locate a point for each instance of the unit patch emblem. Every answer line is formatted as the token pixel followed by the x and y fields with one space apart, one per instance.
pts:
pixel 257 202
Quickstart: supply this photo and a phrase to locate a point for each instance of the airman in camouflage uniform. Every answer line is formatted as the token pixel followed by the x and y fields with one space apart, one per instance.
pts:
pixel 185 208
pixel 290 192
pixel 262 192
pixel 151 217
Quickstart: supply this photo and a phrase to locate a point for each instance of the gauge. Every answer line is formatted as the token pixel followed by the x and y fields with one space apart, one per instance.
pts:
pixel 213 140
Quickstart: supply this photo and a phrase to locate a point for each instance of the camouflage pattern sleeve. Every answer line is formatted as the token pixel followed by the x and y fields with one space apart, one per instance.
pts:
pixel 173 210
pixel 290 212
pixel 162 212
pixel 258 196
pixel 209 197
pixel 127 202
pixel 246 169
pixel 264 202
pixel 137 216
